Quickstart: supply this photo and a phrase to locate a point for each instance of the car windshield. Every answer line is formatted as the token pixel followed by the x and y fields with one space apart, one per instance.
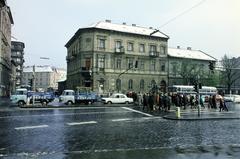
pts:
pixel 20 92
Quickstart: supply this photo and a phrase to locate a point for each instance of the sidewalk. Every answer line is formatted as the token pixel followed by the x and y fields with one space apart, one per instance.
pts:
pixel 4 101
pixel 205 114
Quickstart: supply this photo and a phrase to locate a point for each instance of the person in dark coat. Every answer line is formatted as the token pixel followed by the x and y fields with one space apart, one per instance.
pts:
pixel 151 101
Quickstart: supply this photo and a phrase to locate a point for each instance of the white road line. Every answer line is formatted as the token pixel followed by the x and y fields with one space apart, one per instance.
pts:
pixel 31 127
pixel 81 123
pixel 137 111
pixel 124 119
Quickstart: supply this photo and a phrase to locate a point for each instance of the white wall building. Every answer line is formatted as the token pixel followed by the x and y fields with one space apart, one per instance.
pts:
pixel 45 76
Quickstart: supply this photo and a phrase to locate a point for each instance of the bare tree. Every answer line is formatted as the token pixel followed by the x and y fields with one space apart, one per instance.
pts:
pixel 231 71
pixel 189 72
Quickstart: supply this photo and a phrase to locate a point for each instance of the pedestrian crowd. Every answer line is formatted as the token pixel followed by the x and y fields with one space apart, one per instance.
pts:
pixel 163 101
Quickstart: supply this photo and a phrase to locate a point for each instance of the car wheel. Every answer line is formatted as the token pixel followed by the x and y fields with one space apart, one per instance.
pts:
pixel 109 102
pixel 44 103
pixel 20 103
pixel 126 102
pixel 69 103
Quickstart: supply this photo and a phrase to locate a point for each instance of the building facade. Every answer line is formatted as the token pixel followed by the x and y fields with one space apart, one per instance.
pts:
pixel 46 77
pixel 111 57
pixel 17 55
pixel 186 66
pixel 6 21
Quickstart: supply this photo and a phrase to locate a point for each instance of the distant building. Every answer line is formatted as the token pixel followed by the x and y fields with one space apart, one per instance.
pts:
pixel 46 77
pixel 186 64
pixel 5 48
pixel 17 55
pixel 103 57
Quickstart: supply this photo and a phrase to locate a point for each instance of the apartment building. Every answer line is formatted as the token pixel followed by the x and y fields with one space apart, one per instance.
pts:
pixel 17 55
pixel 110 57
pixel 46 77
pixel 187 65
pixel 6 21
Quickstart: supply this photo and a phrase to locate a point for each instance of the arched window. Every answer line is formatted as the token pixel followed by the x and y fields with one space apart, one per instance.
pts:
pixel 153 83
pixel 118 84
pixel 163 86
pixel 130 84
pixel 142 84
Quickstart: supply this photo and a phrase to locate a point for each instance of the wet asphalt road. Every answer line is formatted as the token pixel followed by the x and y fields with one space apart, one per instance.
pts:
pixel 112 132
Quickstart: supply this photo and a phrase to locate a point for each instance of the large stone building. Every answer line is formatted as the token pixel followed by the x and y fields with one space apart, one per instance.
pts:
pixel 46 77
pixel 103 57
pixel 186 66
pixel 17 56
pixel 6 21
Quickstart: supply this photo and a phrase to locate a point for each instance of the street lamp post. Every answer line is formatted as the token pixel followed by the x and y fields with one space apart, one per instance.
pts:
pixel 132 67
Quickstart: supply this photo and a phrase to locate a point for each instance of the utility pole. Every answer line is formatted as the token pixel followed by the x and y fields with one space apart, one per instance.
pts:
pixel 33 77
pixel 33 86
pixel 135 66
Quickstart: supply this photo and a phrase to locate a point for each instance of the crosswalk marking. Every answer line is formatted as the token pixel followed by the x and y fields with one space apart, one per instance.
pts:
pixel 81 123
pixel 31 127
pixel 136 111
pixel 124 119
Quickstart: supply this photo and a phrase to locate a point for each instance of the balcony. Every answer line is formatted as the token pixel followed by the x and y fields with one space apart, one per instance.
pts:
pixel 153 54
pixel 86 71
pixel 69 58
pixel 120 50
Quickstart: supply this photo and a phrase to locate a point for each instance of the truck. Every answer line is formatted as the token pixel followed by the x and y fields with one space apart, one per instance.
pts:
pixel 22 97
pixel 70 97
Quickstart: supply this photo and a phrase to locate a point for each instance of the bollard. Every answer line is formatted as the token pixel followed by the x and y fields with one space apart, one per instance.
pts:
pixel 178 113
pixel 28 100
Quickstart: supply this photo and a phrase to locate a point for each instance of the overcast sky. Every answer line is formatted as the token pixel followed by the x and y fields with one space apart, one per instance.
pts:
pixel 45 26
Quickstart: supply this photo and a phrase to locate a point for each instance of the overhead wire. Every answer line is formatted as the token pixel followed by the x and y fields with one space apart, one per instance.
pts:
pixel 182 13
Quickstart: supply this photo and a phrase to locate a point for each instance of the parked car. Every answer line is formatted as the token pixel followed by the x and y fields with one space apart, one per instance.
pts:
pixel 117 98
pixel 232 98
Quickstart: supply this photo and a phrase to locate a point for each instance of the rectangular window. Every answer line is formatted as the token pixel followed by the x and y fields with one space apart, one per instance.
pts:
pixel 141 48
pixel 163 66
pixel 163 50
pixel 119 63
pixel 153 48
pixel 130 46
pixel 130 63
pixel 142 65
pixel 118 44
pixel 101 62
pixel 101 43
pixel 153 65
pixel 174 68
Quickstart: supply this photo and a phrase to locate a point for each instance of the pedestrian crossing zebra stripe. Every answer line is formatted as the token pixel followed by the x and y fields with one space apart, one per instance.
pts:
pixel 149 115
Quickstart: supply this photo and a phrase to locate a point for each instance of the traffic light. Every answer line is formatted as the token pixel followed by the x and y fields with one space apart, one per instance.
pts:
pixel 196 87
pixel 200 85
pixel 211 65
pixel 30 82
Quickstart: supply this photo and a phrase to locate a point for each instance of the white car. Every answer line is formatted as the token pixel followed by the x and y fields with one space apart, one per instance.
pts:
pixel 232 98
pixel 117 98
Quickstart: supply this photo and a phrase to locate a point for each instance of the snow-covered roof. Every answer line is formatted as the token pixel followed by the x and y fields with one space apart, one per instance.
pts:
pixel 62 79
pixel 134 29
pixel 189 54
pixel 38 69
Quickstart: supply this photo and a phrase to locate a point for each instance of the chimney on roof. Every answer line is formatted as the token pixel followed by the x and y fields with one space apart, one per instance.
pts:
pixel 150 27
pixel 189 48
pixel 124 23
pixel 178 47
pixel 108 21
pixel 133 24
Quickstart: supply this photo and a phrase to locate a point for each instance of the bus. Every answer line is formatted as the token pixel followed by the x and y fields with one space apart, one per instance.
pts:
pixel 183 89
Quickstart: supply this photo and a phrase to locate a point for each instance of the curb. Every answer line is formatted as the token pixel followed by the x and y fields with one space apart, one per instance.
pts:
pixel 171 117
